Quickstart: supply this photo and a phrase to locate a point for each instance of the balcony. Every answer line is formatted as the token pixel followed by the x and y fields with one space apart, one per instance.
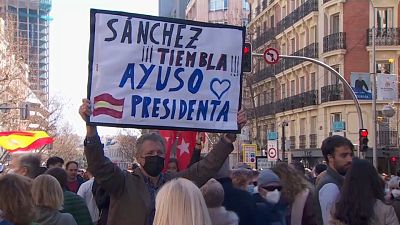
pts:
pixel 335 41
pixel 302 141
pixel 297 101
pixel 298 14
pixel 387 139
pixel 292 140
pixel 313 141
pixel 264 37
pixel 385 37
pixel 332 93
pixel 265 110
pixel 265 73
pixel 310 51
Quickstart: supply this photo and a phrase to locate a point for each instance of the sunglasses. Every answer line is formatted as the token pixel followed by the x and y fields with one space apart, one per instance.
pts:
pixel 272 188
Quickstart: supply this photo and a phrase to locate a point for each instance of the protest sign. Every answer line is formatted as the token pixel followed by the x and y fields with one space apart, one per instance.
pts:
pixel 153 72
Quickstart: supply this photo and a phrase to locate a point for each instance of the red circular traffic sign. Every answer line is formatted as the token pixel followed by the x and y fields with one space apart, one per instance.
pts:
pixel 271 56
pixel 272 152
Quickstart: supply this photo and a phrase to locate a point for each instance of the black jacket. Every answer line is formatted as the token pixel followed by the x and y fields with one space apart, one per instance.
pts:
pixel 239 201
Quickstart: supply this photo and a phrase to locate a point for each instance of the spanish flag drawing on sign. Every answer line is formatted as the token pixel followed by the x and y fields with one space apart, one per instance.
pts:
pixel 24 140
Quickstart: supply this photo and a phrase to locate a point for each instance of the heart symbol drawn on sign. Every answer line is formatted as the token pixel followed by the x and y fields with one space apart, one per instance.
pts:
pixel 219 87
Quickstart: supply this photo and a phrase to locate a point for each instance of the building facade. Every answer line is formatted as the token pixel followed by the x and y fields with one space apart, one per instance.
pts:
pixel 303 99
pixel 31 19
pixel 233 12
pixel 172 8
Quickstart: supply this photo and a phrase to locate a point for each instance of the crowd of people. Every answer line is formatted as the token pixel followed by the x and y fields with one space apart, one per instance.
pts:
pixel 343 191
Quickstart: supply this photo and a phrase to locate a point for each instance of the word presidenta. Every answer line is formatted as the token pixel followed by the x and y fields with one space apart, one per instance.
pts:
pixel 207 110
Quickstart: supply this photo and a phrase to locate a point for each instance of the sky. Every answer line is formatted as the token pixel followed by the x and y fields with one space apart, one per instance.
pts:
pixel 69 44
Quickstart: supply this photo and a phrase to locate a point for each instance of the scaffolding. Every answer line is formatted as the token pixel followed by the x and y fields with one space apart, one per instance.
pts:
pixel 31 18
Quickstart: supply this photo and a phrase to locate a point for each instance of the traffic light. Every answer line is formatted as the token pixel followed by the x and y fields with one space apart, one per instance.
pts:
pixel 247 58
pixel 393 160
pixel 363 140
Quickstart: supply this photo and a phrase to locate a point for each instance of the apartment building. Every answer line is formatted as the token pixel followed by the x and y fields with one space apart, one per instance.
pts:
pixel 233 12
pixel 313 103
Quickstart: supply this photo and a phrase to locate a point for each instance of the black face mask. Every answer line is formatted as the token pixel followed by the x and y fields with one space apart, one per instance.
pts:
pixel 153 165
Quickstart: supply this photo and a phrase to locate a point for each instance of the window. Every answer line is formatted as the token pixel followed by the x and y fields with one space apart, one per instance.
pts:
pixel 313 36
pixel 284 11
pixel 218 5
pixel 292 5
pixel 292 125
pixel 283 91
pixel 313 125
pixel 272 20
pixel 283 49
pixel 302 40
pixel 272 95
pixel 261 99
pixel 313 81
pixel 384 67
pixel 335 117
pixel 256 100
pixel 302 124
pixel 293 45
pixel 335 19
pixel 246 5
pixel 292 88
pixel 384 18
pixel 334 79
pixel 302 84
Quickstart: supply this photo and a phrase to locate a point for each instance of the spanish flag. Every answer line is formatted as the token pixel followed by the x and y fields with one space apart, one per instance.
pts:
pixel 24 140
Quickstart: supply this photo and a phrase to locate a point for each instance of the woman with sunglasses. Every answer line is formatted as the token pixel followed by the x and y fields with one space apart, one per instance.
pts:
pixel 270 209
pixel 298 193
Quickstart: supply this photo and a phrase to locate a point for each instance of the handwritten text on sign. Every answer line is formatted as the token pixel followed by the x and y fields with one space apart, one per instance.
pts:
pixel 164 73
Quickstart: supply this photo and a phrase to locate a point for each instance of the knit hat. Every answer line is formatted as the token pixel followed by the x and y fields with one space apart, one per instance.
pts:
pixel 213 193
pixel 268 178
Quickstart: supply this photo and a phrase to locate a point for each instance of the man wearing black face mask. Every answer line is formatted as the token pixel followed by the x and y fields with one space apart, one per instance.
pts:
pixel 133 194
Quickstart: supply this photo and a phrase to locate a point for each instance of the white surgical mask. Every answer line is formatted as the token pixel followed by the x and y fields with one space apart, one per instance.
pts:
pixel 273 196
pixel 396 193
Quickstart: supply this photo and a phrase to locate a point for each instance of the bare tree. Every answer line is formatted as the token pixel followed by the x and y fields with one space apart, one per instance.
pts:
pixel 67 145
pixel 14 85
pixel 126 140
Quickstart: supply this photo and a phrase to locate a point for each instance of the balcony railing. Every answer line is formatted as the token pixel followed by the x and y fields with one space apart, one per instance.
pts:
pixel 385 36
pixel 387 139
pixel 310 51
pixel 265 73
pixel 298 101
pixel 335 41
pixel 292 142
pixel 313 141
pixel 265 110
pixel 264 37
pixel 302 141
pixel 332 93
pixel 298 14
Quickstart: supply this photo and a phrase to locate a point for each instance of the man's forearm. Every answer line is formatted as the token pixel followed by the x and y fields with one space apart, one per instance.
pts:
pixel 91 131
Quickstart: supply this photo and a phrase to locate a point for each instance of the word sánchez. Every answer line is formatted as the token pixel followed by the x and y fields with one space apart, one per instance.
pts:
pixel 172 35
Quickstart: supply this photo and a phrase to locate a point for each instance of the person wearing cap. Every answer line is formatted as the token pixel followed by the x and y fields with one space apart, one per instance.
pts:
pixel 270 209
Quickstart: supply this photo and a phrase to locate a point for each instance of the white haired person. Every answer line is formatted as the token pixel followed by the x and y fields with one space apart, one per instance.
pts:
pixel 180 202
pixel 394 188
pixel 213 194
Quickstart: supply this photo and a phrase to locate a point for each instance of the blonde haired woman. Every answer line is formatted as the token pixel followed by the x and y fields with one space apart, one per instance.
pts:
pixel 180 202
pixel 48 199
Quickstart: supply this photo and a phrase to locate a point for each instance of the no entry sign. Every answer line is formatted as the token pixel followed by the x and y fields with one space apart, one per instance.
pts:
pixel 272 152
pixel 271 56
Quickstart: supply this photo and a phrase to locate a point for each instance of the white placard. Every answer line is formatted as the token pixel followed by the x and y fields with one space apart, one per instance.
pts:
pixel 151 72
pixel 387 87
